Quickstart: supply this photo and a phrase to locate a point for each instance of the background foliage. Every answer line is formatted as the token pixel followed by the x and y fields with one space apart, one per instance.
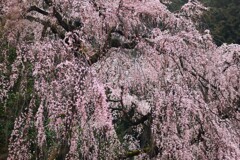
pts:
pixel 223 20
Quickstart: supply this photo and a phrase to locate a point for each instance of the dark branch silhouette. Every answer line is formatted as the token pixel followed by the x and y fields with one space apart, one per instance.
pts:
pixel 35 8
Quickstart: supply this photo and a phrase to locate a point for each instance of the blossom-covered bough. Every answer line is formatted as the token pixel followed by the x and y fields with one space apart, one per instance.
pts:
pixel 115 79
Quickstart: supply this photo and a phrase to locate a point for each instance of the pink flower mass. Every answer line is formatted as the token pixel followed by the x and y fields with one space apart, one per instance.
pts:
pixel 119 79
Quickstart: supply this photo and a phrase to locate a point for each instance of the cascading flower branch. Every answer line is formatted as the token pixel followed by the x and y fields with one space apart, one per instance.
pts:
pixel 119 79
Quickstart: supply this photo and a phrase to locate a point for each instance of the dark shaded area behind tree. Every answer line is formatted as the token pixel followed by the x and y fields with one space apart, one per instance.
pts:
pixel 223 20
pixel 175 5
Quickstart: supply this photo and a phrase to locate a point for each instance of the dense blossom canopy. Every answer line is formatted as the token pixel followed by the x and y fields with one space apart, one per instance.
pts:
pixel 117 79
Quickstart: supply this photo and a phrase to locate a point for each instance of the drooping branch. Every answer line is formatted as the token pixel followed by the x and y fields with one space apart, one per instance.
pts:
pixel 61 21
pixel 196 74
pixel 46 24
pixel 35 8
pixel 56 14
